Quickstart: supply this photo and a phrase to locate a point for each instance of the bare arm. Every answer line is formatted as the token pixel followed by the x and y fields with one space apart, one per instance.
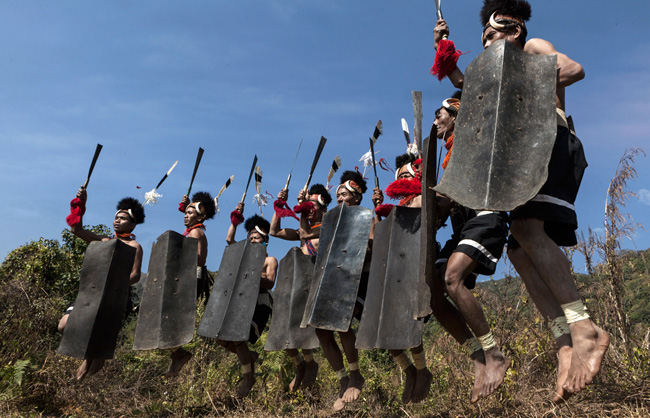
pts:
pixel 137 266
pixel 276 229
pixel 230 236
pixel 202 251
pixel 78 229
pixel 271 271
pixel 569 71
pixel 456 77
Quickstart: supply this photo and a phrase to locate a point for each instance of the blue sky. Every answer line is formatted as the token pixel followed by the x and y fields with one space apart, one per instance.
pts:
pixel 153 81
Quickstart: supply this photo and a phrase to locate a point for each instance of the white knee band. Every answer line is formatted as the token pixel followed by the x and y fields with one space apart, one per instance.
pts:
pixel 353 366
pixel 487 341
pixel 575 311
pixel 341 374
pixel 420 360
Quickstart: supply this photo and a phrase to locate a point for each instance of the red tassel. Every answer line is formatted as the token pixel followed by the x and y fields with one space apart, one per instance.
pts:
pixel 282 210
pixel 304 207
pixel 384 210
pixel 404 188
pixel 236 217
pixel 181 207
pixel 77 209
pixel 446 59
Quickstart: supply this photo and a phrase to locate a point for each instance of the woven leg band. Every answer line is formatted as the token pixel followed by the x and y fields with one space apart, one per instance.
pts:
pixel 559 327
pixel 487 341
pixel 575 311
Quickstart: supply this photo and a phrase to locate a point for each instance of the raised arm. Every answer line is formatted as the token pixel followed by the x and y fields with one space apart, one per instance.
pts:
pixel 456 77
pixel 230 236
pixel 78 229
pixel 569 71
pixel 276 229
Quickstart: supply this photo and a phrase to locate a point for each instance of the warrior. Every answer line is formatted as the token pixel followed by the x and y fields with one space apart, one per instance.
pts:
pixel 129 214
pixel 474 248
pixel 408 188
pixel 258 233
pixel 349 193
pixel 548 221
pixel 312 205
pixel 198 211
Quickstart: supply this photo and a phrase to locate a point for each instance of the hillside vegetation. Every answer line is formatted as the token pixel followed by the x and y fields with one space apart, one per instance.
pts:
pixel 40 279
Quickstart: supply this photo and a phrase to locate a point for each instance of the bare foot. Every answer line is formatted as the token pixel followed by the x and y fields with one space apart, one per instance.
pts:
pixel 180 357
pixel 83 369
pixel 422 385
pixel 338 405
pixel 297 380
pixel 564 363
pixel 496 365
pixel 354 387
pixel 409 384
pixel 589 346
pixel 479 372
pixel 311 371
pixel 247 382
pixel 344 383
pixel 96 365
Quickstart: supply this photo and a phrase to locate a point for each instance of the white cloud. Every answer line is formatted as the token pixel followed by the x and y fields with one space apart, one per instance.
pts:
pixel 644 196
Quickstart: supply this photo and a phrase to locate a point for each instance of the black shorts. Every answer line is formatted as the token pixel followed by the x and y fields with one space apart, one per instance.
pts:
pixel 261 316
pixel 554 202
pixel 204 285
pixel 361 294
pixel 482 238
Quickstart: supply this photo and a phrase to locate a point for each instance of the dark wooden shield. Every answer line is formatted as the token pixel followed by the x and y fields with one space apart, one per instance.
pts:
pixel 392 299
pixel 342 250
pixel 95 321
pixel 289 300
pixel 505 129
pixel 231 304
pixel 167 312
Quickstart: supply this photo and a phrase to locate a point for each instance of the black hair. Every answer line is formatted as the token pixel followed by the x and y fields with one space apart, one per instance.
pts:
pixel 452 111
pixel 207 204
pixel 321 190
pixel 515 8
pixel 403 159
pixel 356 177
pixel 258 221
pixel 136 208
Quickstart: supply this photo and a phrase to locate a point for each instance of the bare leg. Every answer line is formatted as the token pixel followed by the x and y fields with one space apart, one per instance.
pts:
pixel 311 368
pixel 409 371
pixel 452 321
pixel 180 357
pixel 348 340
pixel 496 364
pixel 83 369
pixel 63 322
pixel 423 377
pixel 589 341
pixel 550 309
pixel 300 368
pixel 248 368
pixel 333 356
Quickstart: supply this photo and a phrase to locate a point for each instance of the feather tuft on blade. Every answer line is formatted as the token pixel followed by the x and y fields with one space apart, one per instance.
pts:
pixel 151 197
